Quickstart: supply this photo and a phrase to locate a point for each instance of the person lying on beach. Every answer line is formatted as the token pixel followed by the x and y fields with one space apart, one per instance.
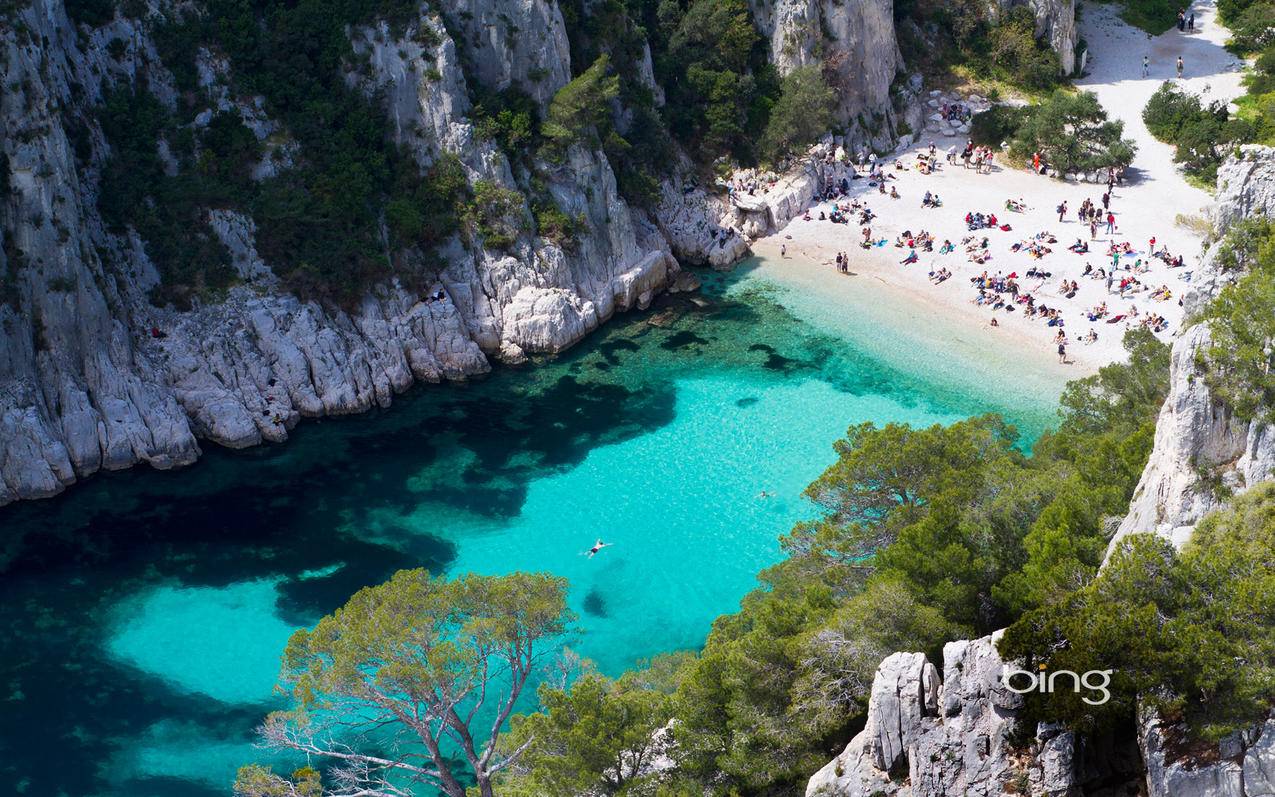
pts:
pixel 939 276
pixel 1036 273
pixel 1016 205
pixel 1080 247
pixel 910 259
pixel 946 247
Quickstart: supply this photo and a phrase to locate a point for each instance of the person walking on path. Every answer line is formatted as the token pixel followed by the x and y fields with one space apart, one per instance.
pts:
pixel 1190 23
pixel 1181 20
pixel 1146 65
pixel 1179 67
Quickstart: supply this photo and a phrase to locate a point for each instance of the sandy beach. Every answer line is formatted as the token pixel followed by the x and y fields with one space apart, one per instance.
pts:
pixel 1153 196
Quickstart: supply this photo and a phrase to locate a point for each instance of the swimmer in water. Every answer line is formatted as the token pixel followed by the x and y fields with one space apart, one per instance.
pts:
pixel 597 546
pixel 763 494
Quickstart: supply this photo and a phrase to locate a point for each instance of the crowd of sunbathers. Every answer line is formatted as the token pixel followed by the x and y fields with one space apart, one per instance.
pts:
pixel 1005 292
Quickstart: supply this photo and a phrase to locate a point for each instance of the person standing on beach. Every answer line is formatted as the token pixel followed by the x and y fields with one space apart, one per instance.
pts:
pixel 1181 20
pixel 1179 67
pixel 1190 23
pixel 1061 340
pixel 1111 223
pixel 783 250
pixel 1062 210
pixel 1146 65
pixel 1106 200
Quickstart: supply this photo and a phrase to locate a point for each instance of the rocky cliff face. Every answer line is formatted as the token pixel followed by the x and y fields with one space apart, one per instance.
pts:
pixel 1242 765
pixel 1202 452
pixel 93 376
pixel 927 737
pixel 1055 23
pixel 854 43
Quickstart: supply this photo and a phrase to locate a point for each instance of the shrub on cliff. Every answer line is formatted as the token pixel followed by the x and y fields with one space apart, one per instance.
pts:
pixel 803 113
pixel 1239 358
pixel 1253 28
pixel 581 107
pixel 717 79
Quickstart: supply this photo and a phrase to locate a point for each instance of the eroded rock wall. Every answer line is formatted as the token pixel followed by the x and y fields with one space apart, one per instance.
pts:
pixel 854 42
pixel 93 376
pixel 930 738
pixel 1055 24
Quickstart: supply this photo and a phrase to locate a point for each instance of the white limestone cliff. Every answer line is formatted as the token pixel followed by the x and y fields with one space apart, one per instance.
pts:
pixel 1055 24
pixel 926 738
pixel 1242 765
pixel 1199 445
pixel 853 42
pixel 93 376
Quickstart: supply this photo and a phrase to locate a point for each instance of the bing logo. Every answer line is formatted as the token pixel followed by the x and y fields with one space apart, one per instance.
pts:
pixel 1024 682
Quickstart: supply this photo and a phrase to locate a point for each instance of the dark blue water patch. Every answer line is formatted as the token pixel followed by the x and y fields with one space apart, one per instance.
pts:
pixel 684 340
pixel 168 787
pixel 594 604
pixel 610 349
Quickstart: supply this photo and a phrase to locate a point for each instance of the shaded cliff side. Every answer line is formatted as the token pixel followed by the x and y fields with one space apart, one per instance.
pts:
pixel 94 374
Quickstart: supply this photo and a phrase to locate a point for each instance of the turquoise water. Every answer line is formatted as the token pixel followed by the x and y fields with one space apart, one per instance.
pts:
pixel 143 613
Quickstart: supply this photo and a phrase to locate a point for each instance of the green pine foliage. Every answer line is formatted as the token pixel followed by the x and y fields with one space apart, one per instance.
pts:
pixel 1187 633
pixel 1237 362
pixel 802 114
pixel 1073 133
pixel 581 107
pixel 332 225
pixel 1202 134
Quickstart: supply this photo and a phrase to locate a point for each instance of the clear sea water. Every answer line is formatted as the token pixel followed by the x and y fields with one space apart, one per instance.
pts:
pixel 142 614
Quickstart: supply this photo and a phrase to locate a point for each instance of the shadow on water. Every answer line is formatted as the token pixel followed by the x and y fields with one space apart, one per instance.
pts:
pixel 297 513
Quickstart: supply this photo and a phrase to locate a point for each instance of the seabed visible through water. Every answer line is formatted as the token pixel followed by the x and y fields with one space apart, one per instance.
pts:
pixel 142 614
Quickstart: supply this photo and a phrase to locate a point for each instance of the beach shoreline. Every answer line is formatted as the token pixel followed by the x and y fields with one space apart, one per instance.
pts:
pixel 1146 207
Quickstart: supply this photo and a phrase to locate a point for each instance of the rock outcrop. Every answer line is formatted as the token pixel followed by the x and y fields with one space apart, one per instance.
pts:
pixel 925 738
pixel 1055 23
pixel 1242 765
pixel 853 42
pixel 771 201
